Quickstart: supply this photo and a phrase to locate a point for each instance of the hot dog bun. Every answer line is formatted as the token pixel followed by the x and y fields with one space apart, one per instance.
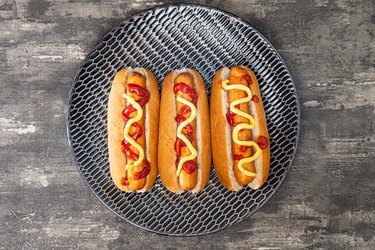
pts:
pixel 223 148
pixel 148 123
pixel 167 155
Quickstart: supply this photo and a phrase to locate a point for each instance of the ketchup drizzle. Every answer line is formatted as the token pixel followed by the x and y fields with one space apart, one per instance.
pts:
pixel 144 172
pixel 247 78
pixel 184 88
pixel 130 154
pixel 230 118
pixel 255 99
pixel 237 157
pixel 124 181
pixel 244 148
pixel 127 112
pixel 180 118
pixel 189 130
pixel 177 146
pixel 263 142
pixel 139 91
pixel 138 131
pixel 184 110
pixel 189 166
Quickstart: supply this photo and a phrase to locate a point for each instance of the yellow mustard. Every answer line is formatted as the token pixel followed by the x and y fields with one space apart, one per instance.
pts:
pixel 180 135
pixel 128 125
pixel 241 126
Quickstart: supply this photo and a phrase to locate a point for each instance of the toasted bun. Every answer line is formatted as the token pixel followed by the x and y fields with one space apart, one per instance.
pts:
pixel 167 134
pixel 117 160
pixel 221 134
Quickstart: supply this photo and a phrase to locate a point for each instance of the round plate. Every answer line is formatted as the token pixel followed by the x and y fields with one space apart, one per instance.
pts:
pixel 161 40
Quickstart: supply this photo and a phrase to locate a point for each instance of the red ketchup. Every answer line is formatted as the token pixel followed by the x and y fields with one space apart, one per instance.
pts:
pixel 184 110
pixel 263 142
pixel 177 146
pixel 247 78
pixel 230 116
pixel 187 90
pixel 237 157
pixel 124 181
pixel 127 112
pixel 189 166
pixel 189 130
pixel 139 91
pixel 180 143
pixel 180 118
pixel 244 148
pixel 189 136
pixel 255 99
pixel 144 172
pixel 138 131
pixel 125 148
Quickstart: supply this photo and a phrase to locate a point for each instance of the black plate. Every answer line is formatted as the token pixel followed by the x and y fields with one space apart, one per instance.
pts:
pixel 163 39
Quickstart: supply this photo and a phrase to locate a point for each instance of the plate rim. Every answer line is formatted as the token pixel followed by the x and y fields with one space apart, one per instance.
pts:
pixel 166 6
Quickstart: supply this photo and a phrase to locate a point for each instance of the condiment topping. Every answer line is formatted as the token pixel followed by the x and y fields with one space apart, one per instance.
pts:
pixel 144 172
pixel 128 138
pixel 127 112
pixel 184 123
pixel 133 131
pixel 237 128
pixel 263 142
pixel 184 110
pixel 237 157
pixel 244 148
pixel 255 99
pixel 247 79
pixel 184 88
pixel 190 167
pixel 124 181
pixel 143 93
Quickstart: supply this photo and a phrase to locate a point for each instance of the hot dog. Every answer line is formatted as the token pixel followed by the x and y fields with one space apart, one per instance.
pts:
pixel 240 139
pixel 133 118
pixel 184 152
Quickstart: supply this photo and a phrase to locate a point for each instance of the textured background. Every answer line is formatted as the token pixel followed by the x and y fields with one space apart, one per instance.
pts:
pixel 327 199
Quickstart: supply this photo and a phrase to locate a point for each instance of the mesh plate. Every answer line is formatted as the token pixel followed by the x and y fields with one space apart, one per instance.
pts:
pixel 163 39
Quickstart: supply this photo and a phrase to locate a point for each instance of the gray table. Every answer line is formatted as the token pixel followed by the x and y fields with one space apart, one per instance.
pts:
pixel 327 199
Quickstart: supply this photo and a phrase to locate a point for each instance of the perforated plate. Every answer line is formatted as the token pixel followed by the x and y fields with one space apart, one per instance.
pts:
pixel 163 39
